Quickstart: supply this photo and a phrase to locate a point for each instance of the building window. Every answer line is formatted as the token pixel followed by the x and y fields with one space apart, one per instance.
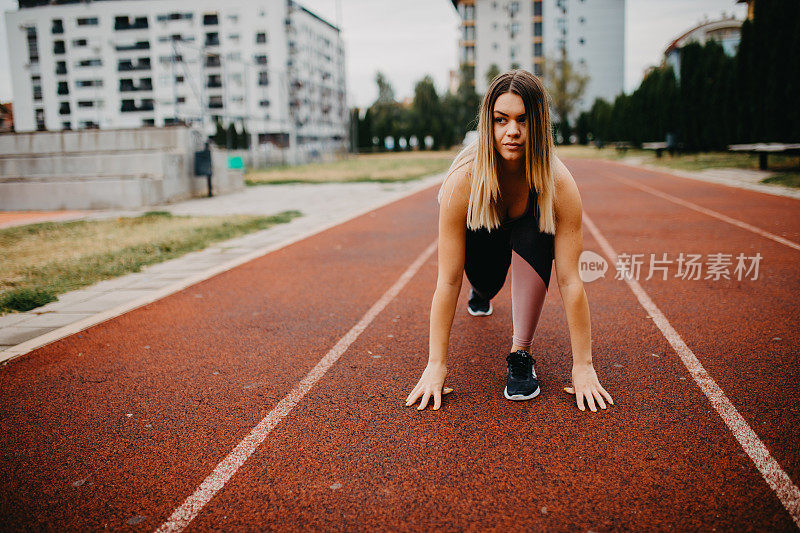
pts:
pixel 62 88
pixel 581 41
pixel 175 16
pixel 88 21
pixel 260 59
pixel 214 81
pixel 261 38
pixel 181 99
pixel 63 109
pixel 58 47
pixel 61 67
pixel 263 103
pixel 513 8
pixel 213 60
pixel 537 49
pixel 178 79
pixel 215 102
pixel 514 30
pixel 582 20
pixel 58 26
pixel 468 54
pixel 234 37
pixel 537 29
pixel 37 92
pixel 210 19
pixel 85 103
pixel 263 78
pixel 89 83
pixel 40 126
pixel 537 8
pixel 96 62
pixel 537 69
pixel 67 125
pixel 234 18
pixel 79 42
pixel 212 39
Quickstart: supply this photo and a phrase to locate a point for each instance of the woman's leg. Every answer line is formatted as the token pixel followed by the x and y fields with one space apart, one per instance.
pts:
pixel 531 262
pixel 486 261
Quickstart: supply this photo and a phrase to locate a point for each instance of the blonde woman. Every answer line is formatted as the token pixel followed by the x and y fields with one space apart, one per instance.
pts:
pixel 508 201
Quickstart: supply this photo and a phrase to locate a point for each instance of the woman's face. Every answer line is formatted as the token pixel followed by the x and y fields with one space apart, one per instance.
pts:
pixel 510 127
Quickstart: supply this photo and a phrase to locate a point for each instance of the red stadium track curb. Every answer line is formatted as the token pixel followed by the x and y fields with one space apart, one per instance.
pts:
pixel 192 506
pixel 773 474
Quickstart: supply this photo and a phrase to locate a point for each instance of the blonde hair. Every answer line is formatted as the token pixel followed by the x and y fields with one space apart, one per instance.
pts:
pixel 484 187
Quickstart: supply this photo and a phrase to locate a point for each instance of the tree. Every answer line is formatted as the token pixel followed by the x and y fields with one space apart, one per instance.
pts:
pixel 427 112
pixel 385 90
pixel 220 135
pixel 244 138
pixel 564 84
pixel 492 73
pixel 231 137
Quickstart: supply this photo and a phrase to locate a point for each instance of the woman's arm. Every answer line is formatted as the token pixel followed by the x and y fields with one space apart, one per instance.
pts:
pixel 452 235
pixel 568 248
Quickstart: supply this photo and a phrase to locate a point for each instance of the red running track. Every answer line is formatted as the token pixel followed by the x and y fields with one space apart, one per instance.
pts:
pixel 115 427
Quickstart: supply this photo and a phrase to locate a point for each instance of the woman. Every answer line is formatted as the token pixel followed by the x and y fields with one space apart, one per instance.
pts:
pixel 509 201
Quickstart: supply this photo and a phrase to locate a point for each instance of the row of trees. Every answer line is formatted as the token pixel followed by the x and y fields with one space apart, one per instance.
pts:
pixel 444 118
pixel 231 138
pixel 718 100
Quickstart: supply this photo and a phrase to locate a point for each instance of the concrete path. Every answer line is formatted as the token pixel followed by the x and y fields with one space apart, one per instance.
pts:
pixel 322 205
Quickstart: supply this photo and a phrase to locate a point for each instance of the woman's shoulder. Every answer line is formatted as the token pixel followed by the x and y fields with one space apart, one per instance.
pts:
pixel 457 184
pixel 567 198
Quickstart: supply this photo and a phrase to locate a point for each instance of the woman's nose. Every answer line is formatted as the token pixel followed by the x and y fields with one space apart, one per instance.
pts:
pixel 513 129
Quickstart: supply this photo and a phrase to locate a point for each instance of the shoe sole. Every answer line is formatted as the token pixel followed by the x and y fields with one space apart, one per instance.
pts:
pixel 534 394
pixel 480 313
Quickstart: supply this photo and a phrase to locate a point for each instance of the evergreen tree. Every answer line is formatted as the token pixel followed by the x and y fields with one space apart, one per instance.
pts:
pixel 427 112
pixel 492 73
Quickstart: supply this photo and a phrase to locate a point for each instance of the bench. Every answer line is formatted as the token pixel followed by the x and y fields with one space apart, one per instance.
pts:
pixel 659 147
pixel 764 149
pixel 622 146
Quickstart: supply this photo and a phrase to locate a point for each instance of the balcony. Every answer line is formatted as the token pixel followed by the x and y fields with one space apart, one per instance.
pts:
pixel 127 65
pixel 214 82
pixel 141 45
pixel 126 85
pixel 124 23
pixel 129 106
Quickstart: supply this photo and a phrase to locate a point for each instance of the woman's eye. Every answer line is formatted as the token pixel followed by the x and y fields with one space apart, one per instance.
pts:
pixel 499 120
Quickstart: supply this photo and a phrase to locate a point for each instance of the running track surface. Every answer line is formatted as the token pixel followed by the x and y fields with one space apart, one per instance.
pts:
pixel 115 427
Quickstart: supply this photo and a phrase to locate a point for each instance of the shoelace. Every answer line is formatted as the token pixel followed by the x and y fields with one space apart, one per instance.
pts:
pixel 521 365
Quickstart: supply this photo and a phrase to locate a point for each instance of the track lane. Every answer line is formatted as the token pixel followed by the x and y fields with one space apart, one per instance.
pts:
pixel 347 429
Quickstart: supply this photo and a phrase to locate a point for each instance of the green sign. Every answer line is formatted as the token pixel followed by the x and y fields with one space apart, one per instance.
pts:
pixel 235 162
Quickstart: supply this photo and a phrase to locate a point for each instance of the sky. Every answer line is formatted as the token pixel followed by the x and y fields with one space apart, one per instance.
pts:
pixel 422 38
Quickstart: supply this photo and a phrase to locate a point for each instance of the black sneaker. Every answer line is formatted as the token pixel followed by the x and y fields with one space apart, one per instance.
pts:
pixel 477 306
pixel 522 383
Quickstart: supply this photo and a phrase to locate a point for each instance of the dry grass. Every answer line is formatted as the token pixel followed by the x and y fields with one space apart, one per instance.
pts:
pixel 383 167
pixel 41 261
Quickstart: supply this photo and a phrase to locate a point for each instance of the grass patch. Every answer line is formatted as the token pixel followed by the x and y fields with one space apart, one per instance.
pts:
pixel 43 260
pixel 686 161
pixel 380 168
pixel 788 179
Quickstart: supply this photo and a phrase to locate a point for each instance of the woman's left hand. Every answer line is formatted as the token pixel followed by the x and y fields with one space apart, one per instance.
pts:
pixel 586 386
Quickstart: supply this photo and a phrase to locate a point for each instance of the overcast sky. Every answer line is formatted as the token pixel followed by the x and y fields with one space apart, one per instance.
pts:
pixel 422 38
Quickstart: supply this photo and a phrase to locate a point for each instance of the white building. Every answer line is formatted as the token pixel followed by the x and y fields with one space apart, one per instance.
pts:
pixel 521 33
pixel 726 31
pixel 271 65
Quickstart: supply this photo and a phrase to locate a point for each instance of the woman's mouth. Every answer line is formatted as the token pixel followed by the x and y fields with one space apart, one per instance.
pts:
pixel 513 146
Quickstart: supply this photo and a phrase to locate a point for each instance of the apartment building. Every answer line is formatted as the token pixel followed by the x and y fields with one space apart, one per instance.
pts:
pixel 271 65
pixel 522 33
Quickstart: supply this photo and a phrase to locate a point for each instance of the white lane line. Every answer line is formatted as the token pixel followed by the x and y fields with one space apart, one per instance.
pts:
pixel 192 506
pixel 709 212
pixel 774 475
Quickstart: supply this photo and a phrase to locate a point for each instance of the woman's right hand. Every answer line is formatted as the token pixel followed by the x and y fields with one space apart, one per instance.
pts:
pixel 430 384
